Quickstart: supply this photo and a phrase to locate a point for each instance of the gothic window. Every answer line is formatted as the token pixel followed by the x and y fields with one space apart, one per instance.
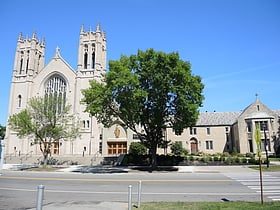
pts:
pixel 93 60
pixel 93 57
pixel 85 56
pixel 21 66
pixel 27 62
pixel 19 100
pixel 56 88
pixel 85 60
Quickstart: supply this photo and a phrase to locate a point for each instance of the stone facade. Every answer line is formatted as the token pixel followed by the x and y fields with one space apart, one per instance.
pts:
pixel 215 132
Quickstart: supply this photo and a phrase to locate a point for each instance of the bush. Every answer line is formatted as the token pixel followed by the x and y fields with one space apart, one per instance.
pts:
pixel 178 149
pixel 137 148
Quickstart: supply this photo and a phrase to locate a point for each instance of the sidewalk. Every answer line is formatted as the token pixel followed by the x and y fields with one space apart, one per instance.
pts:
pixel 86 206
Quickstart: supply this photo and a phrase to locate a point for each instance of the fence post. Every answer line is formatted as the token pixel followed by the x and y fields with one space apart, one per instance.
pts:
pixel 139 193
pixel 40 196
pixel 129 197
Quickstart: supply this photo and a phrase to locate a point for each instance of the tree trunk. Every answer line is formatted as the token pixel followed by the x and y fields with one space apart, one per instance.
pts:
pixel 45 161
pixel 154 157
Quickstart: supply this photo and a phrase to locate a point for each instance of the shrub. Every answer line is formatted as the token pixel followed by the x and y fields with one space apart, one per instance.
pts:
pixel 137 148
pixel 178 149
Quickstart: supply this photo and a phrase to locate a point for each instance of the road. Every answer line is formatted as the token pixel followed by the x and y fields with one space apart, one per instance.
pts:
pixel 18 189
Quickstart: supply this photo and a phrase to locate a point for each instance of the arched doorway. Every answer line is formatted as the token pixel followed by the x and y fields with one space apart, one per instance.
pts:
pixel 194 145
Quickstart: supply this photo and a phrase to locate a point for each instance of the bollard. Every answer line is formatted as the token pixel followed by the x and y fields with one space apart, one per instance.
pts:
pixel 129 197
pixel 139 193
pixel 40 196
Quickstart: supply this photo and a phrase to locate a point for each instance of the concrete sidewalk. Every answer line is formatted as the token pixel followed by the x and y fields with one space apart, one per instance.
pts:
pixel 86 206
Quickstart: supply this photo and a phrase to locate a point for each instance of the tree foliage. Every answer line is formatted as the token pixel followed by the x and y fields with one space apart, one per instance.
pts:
pixel 150 90
pixel 45 120
pixel 2 131
pixel 258 141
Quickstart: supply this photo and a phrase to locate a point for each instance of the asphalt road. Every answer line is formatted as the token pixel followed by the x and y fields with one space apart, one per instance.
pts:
pixel 18 189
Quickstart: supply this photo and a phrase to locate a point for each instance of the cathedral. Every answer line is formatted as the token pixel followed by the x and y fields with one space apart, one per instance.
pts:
pixel 31 78
pixel 215 132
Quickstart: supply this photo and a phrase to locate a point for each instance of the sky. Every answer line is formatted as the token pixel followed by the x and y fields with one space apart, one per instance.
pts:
pixel 234 45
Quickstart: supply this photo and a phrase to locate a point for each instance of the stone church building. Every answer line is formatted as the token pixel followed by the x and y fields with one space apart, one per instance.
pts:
pixel 214 131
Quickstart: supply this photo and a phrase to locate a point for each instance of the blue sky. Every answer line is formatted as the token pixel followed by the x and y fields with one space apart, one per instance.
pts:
pixel 234 45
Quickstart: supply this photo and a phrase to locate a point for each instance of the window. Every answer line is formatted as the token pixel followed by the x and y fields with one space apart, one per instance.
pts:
pixel 100 147
pixel 192 131
pixel 115 148
pixel 267 143
pixel 93 60
pixel 249 126
pixel 263 125
pixel 135 136
pixel 209 145
pixel 250 145
pixel 19 100
pixel 27 63
pixel 21 66
pixel 208 131
pixel 55 88
pixel 85 60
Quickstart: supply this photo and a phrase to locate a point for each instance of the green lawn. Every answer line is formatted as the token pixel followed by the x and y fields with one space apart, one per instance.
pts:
pixel 272 168
pixel 209 206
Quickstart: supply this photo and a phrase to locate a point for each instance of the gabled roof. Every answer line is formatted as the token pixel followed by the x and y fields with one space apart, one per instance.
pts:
pixel 217 118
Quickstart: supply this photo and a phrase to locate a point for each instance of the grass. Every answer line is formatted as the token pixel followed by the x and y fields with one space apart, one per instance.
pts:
pixel 209 206
pixel 272 168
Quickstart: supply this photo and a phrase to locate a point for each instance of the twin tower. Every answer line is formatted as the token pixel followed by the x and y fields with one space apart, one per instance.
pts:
pixel 32 78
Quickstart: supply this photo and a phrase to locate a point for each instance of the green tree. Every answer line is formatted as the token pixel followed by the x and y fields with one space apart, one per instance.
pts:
pixel 46 120
pixel 2 131
pixel 137 148
pixel 178 149
pixel 151 89
pixel 259 154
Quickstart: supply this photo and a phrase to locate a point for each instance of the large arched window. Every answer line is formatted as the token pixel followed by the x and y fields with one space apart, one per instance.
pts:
pixel 55 89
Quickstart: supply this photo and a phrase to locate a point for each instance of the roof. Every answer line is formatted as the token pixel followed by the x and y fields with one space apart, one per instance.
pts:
pixel 217 118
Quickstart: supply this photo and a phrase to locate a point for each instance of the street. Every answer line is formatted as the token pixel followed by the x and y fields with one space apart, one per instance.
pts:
pixel 18 189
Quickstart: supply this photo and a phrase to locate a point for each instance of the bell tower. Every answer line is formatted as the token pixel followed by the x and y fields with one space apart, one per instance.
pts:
pixel 92 54
pixel 91 66
pixel 29 57
pixel 29 60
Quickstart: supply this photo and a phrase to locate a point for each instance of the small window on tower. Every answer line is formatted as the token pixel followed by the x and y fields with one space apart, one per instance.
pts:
pixel 85 60
pixel 19 100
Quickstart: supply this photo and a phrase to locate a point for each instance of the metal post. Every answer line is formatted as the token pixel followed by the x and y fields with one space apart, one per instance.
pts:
pixel 129 197
pixel 40 196
pixel 2 150
pixel 139 193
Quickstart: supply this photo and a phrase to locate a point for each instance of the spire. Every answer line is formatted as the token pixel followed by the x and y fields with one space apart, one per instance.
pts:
pixel 34 35
pixel 43 41
pixel 20 36
pixel 82 29
pixel 98 27
pixel 57 52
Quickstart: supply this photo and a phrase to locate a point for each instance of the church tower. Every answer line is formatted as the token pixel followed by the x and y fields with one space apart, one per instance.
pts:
pixel 91 66
pixel 29 60
pixel 92 54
